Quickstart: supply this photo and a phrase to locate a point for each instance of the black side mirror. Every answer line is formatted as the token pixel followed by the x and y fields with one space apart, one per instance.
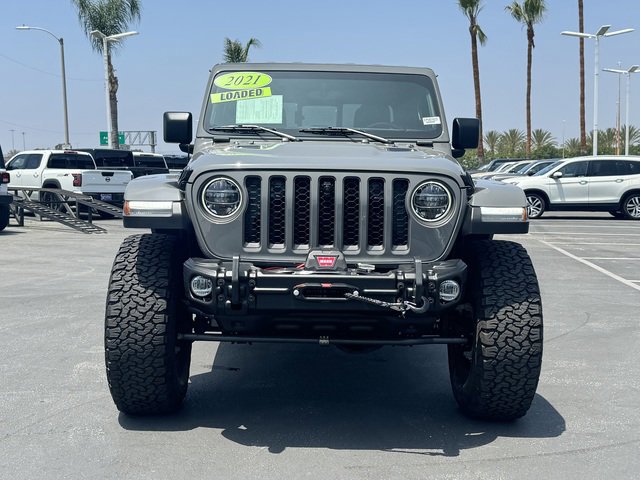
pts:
pixel 466 133
pixel 186 147
pixel 177 127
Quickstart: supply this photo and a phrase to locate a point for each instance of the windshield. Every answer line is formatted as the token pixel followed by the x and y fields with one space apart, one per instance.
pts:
pixel 71 160
pixel 111 158
pixel 520 168
pixel 546 169
pixel 385 104
pixel 149 161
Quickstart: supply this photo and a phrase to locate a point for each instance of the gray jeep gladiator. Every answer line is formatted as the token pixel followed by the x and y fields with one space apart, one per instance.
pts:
pixel 323 204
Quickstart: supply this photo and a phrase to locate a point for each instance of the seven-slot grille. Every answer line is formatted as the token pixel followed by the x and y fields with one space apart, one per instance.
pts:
pixel 349 213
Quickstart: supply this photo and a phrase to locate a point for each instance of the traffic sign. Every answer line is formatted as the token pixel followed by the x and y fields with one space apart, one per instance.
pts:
pixel 104 138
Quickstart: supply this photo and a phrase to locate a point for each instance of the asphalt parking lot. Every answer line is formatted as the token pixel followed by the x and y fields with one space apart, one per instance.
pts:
pixel 290 412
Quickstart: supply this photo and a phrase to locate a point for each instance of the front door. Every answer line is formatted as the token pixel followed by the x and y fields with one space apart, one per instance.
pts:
pixel 572 187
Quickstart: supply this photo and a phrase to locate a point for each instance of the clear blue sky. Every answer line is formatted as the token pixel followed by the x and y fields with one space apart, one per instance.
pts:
pixel 166 66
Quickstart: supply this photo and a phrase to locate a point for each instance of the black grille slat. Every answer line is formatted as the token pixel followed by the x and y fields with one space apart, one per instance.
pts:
pixel 252 214
pixel 326 210
pixel 351 212
pixel 400 217
pixel 375 217
pixel 301 211
pixel 277 211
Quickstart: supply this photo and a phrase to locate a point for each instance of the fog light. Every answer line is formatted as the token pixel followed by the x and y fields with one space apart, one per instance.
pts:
pixel 201 286
pixel 449 290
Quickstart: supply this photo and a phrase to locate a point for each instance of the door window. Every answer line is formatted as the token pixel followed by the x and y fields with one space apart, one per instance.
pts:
pixel 33 161
pixel 18 162
pixel 607 168
pixel 575 169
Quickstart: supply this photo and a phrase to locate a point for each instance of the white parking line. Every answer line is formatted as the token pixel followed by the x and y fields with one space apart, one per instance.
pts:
pixel 629 283
pixel 591 233
pixel 611 258
pixel 582 225
pixel 594 243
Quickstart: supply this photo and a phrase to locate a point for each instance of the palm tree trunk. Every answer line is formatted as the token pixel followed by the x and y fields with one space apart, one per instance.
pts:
pixel 583 128
pixel 113 100
pixel 530 46
pixel 476 86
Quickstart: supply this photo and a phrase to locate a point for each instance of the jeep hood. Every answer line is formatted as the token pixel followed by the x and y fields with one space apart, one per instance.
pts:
pixel 329 156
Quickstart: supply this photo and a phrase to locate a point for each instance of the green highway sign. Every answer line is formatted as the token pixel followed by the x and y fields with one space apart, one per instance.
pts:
pixel 104 138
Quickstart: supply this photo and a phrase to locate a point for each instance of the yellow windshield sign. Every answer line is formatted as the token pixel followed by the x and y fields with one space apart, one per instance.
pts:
pixel 236 95
pixel 242 80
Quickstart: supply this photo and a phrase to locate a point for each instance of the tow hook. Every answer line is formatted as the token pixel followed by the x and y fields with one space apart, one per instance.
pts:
pixel 401 307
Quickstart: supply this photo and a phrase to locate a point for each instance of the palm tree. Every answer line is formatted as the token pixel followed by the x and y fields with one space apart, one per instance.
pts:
pixel 235 52
pixel 511 142
pixel 491 138
pixel 634 134
pixel 608 139
pixel 529 12
pixel 471 9
pixel 542 139
pixel 572 147
pixel 583 128
pixel 109 17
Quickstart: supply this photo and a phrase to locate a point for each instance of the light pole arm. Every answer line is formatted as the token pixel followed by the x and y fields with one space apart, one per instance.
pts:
pixel 64 79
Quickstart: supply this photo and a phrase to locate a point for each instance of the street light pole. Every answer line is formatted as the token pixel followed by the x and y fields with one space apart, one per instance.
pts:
pixel 628 72
pixel 105 54
pixel 563 141
pixel 603 31
pixel 64 79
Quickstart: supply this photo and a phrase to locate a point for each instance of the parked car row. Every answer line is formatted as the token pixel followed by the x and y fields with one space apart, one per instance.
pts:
pixel 102 174
pixel 603 183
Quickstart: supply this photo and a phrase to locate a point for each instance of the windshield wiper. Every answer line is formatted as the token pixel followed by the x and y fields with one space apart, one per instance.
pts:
pixel 253 128
pixel 345 131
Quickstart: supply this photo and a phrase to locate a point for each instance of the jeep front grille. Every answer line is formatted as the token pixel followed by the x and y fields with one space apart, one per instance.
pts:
pixel 349 213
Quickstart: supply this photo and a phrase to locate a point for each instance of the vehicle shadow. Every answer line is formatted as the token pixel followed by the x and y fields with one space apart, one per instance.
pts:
pixel 557 216
pixel 395 399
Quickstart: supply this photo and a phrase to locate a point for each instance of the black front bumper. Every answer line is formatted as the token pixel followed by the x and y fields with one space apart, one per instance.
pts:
pixel 247 300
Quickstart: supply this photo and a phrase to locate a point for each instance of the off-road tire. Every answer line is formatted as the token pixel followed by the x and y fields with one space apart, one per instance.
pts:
pixel 495 376
pixel 4 217
pixel 536 205
pixel 631 206
pixel 147 367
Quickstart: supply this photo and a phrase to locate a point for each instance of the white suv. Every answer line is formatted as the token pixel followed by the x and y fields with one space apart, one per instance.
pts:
pixel 610 184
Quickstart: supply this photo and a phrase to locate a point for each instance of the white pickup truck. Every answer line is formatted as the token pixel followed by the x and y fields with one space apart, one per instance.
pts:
pixel 67 170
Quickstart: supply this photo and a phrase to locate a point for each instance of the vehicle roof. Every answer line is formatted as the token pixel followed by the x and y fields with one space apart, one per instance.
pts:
pixel 325 67
pixel 79 152
pixel 147 154
pixel 602 157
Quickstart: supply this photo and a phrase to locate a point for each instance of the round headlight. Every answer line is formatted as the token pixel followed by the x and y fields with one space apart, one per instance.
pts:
pixel 431 201
pixel 222 197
